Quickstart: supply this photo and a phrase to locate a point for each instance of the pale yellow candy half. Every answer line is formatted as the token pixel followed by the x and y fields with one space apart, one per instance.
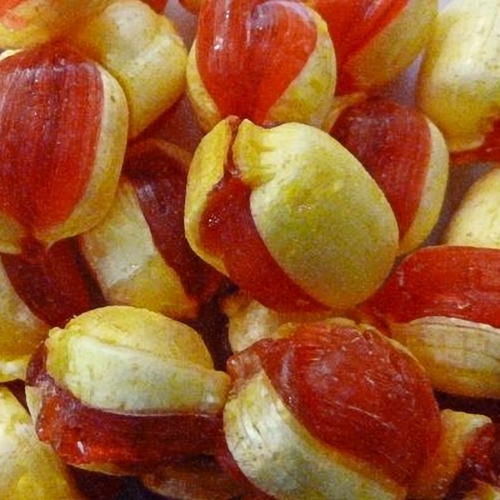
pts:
pixel 121 358
pixel 458 82
pixel 322 217
pixel 127 264
pixel 143 51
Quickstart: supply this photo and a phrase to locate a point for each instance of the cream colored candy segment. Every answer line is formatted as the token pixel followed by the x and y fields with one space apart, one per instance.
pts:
pixel 395 47
pixel 281 458
pixel 206 170
pixel 250 321
pixel 127 264
pixel 310 97
pixel 204 106
pixel 138 329
pixel 106 170
pixel 461 357
pixel 476 222
pixel 434 479
pixel 143 51
pixel 28 468
pixel 127 359
pixel 117 378
pixel 433 193
pixel 37 21
pixel 458 84
pixel 322 217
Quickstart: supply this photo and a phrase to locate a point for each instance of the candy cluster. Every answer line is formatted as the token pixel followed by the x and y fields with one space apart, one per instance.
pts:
pixel 236 263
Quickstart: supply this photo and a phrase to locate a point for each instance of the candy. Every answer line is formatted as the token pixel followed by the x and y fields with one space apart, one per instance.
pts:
pixel 284 70
pixel 442 303
pixel 306 419
pixel 125 370
pixel 26 23
pixel 458 84
pixel 56 179
pixel 375 41
pixel 407 156
pixel 143 51
pixel 139 253
pixel 286 228
pixel 321 225
pixel 24 460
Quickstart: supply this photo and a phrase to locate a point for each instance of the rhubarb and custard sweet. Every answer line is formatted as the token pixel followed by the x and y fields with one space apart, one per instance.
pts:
pixel 458 85
pixel 406 154
pixel 139 252
pixel 442 303
pixel 333 410
pixel 266 60
pixel 143 51
pixel 375 41
pixel 125 390
pixel 28 468
pixel 289 215
pixel 57 177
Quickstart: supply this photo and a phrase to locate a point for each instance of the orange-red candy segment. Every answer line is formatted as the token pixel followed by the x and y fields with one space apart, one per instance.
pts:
pixel 381 410
pixel 57 287
pixel 57 178
pixel 248 52
pixel 444 280
pixel 39 158
pixel 228 230
pixel 393 143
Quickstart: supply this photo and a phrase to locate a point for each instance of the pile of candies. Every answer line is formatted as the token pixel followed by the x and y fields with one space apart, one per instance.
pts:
pixel 243 256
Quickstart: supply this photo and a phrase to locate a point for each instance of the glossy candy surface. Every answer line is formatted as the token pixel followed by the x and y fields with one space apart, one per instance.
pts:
pixel 387 446
pixel 277 55
pixel 407 156
pixel 380 415
pixel 229 30
pixel 319 214
pixel 453 281
pixel 57 183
